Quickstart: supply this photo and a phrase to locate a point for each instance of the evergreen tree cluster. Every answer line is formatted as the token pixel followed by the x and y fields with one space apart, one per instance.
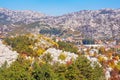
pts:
pixel 79 69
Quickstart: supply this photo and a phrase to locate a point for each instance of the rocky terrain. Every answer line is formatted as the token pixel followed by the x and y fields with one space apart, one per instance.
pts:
pixel 99 24
pixel 6 54
pixel 25 16
pixel 59 56
pixel 102 23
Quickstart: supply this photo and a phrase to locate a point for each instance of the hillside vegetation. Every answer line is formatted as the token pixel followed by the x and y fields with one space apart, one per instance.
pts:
pixel 40 58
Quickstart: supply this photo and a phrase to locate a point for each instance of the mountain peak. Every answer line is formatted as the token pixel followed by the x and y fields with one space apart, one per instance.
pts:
pixel 25 16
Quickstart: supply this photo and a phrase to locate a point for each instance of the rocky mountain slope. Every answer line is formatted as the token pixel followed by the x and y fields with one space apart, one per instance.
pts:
pixel 6 54
pixel 100 24
pixel 25 16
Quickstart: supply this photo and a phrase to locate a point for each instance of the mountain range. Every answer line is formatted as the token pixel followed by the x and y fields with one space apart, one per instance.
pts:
pixel 25 16
pixel 98 24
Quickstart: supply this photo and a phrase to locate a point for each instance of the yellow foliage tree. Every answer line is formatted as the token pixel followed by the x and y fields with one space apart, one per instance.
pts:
pixel 40 52
pixel 102 50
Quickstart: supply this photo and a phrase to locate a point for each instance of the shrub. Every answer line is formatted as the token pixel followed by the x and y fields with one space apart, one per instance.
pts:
pixel 67 47
pixel 47 57
pixel 62 56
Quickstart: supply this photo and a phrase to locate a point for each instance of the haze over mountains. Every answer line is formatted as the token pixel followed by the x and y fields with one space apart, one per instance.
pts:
pixel 104 23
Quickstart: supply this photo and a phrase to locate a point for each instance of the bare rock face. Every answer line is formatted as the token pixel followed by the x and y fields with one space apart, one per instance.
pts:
pixel 6 54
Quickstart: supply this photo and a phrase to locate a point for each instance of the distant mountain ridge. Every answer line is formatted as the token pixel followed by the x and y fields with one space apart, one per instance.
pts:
pixel 104 23
pixel 24 16
pixel 98 24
